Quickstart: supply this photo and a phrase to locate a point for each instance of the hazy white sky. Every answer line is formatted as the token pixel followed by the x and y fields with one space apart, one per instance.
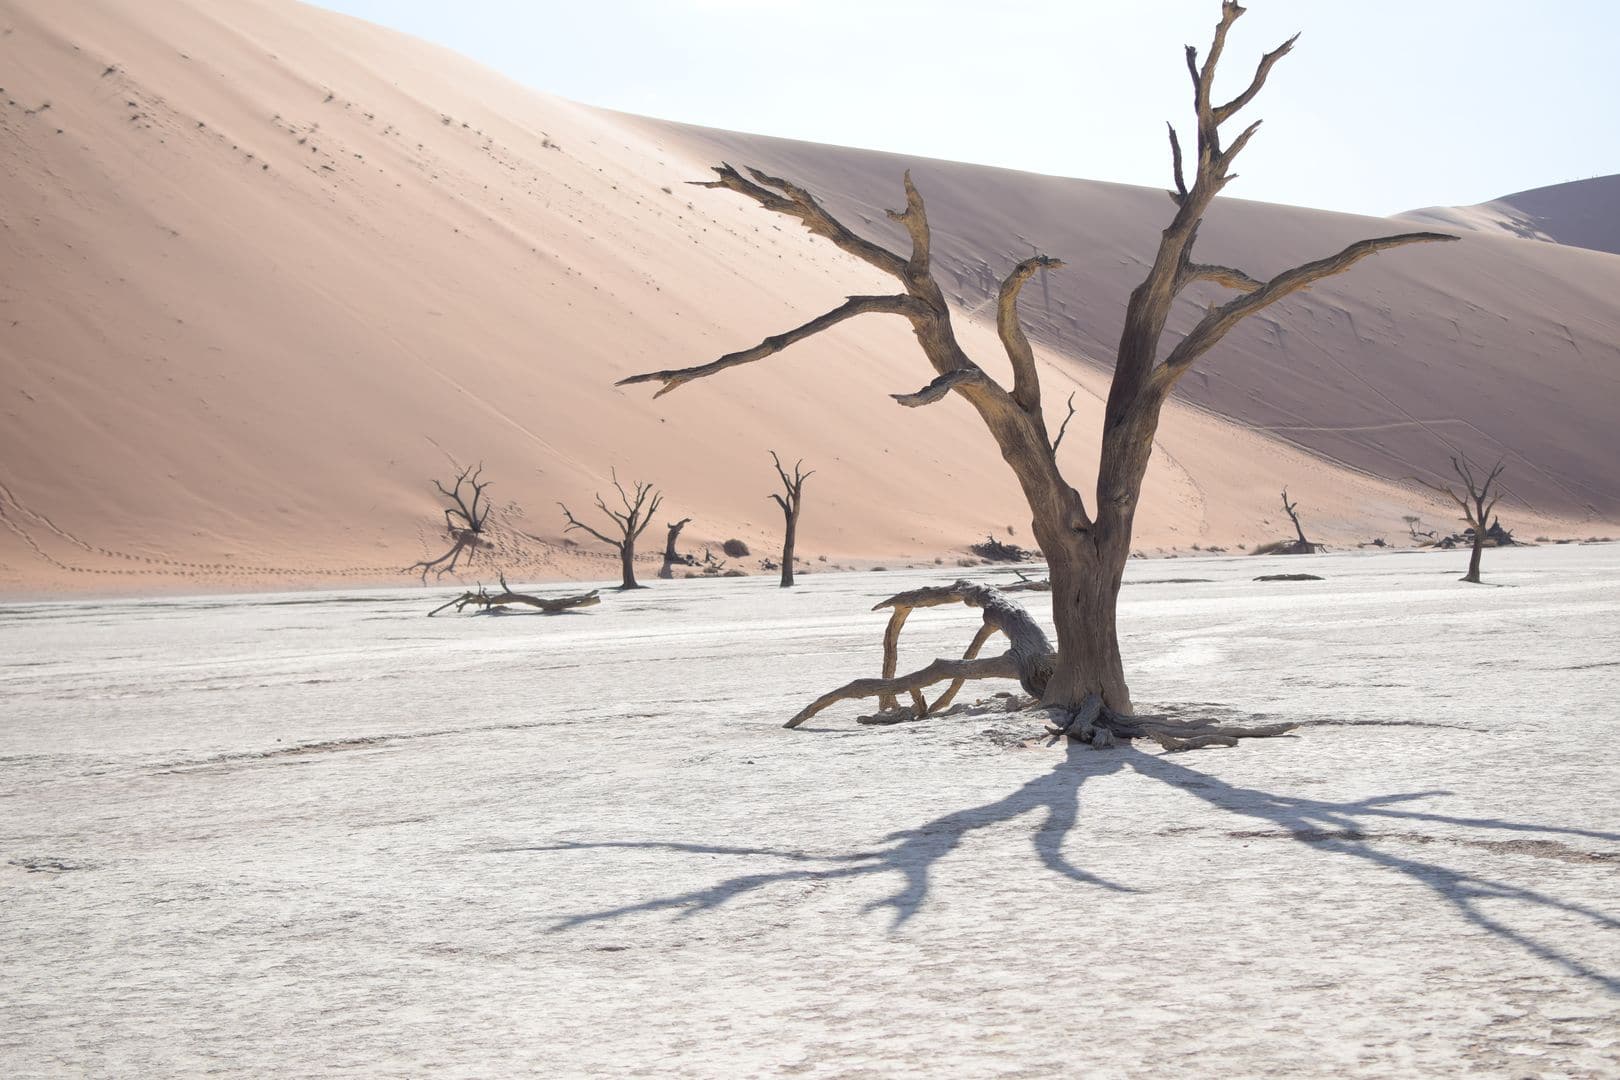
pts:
pixel 1385 105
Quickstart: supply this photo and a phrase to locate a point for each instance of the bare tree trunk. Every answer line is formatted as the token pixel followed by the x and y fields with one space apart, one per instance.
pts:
pixel 667 571
pixel 1473 560
pixel 1085 595
pixel 787 548
pixel 627 565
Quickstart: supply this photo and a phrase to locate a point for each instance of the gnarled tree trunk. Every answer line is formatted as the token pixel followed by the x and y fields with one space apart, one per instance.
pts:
pixel 671 557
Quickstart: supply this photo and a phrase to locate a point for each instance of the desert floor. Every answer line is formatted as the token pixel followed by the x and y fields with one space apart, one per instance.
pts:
pixel 317 834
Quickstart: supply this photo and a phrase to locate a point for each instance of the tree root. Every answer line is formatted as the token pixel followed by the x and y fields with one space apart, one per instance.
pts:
pixel 484 600
pixel 1101 727
pixel 1029 660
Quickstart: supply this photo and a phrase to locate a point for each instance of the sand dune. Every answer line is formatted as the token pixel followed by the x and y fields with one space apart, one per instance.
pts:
pixel 1582 213
pixel 268 269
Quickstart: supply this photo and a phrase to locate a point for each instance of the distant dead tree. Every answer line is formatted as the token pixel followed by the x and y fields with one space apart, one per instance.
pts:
pixel 667 571
pixel 1412 523
pixel 464 521
pixel 791 501
pixel 639 509
pixel 1086 550
pixel 1298 546
pixel 1476 504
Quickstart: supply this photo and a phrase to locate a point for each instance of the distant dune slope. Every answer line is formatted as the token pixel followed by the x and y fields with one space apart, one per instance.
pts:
pixel 1492 347
pixel 264 269
pixel 1582 213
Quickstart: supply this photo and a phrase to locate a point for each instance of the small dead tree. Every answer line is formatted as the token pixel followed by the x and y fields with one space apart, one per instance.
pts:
pixel 639 509
pixel 1476 504
pixel 464 521
pixel 667 571
pixel 1412 523
pixel 791 501
pixel 1085 546
pixel 1298 546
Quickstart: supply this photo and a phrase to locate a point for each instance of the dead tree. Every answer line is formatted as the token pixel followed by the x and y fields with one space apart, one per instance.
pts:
pixel 667 571
pixel 484 600
pixel 464 520
pixel 1086 548
pixel 1298 546
pixel 639 509
pixel 791 501
pixel 1029 659
pixel 1476 505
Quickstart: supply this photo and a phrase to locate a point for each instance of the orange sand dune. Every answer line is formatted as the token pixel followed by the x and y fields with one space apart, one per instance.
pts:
pixel 267 269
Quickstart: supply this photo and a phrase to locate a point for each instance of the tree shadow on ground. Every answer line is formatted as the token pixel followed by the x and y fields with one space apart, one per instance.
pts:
pixel 909 853
pixel 1364 829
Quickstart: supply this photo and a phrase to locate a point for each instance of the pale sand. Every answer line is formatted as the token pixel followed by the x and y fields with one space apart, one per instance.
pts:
pixel 266 267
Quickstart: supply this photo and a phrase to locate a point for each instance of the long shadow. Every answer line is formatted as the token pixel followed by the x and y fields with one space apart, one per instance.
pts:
pixel 1350 829
pixel 909 853
pixel 1361 829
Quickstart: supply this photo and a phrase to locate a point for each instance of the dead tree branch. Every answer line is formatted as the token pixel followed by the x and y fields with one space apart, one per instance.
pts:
pixel 486 601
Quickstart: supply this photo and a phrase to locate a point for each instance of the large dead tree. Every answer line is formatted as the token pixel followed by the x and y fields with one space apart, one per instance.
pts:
pixel 671 556
pixel 1476 503
pixel 1085 546
pixel 791 501
pixel 638 512
pixel 464 521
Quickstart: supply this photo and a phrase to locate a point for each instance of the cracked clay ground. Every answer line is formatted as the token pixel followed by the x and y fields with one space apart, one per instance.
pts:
pixel 311 836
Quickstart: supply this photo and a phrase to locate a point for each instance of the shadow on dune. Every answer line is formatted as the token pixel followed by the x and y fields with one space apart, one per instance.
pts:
pixel 1366 829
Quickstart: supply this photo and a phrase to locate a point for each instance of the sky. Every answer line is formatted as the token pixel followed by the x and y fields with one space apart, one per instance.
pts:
pixel 1384 105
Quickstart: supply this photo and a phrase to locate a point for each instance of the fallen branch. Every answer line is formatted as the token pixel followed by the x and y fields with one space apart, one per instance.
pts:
pixel 484 600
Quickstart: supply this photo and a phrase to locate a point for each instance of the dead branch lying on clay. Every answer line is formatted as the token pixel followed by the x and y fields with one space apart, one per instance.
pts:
pixel 483 600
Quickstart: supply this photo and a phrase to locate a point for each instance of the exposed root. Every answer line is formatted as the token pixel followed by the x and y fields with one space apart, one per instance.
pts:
pixel 1029 659
pixel 1093 723
pixel 995 667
